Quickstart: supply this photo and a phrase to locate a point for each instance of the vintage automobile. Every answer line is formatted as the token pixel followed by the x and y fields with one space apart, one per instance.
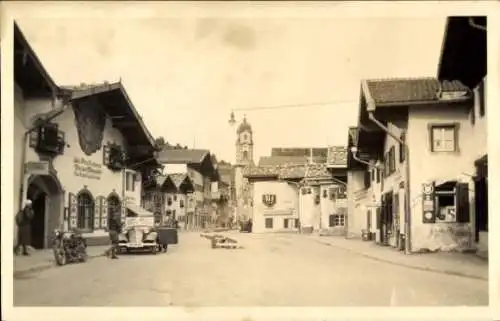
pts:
pixel 138 234
pixel 138 238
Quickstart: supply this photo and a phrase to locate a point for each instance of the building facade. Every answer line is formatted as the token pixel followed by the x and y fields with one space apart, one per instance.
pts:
pixel 193 168
pixel 464 58
pixel 78 162
pixel 432 119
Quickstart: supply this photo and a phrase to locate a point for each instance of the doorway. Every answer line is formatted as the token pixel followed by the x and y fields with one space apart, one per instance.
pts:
pixel 38 197
pixel 481 206
pixel 46 195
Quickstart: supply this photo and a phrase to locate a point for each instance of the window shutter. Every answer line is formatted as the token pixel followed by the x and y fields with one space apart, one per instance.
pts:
pixel 97 213
pixel 73 210
pixel 34 135
pixel 367 179
pixel 61 141
pixel 106 154
pixel 104 212
pixel 462 203
pixel 378 218
pixel 402 148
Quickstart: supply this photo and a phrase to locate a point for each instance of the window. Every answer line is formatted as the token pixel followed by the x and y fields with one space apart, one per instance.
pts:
pixel 175 198
pixel 285 223
pixel 342 192
pixel 86 211
pixel 129 181
pixel 378 175
pixel 444 138
pixel 269 222
pixel 367 179
pixel 336 220
pixel 169 200
pixel 402 148
pixel 297 223
pixel 325 193
pixel 181 203
pixel 245 155
pixel 452 203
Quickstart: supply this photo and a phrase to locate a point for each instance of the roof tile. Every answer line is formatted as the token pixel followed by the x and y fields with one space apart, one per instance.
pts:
pixel 182 156
pixel 403 90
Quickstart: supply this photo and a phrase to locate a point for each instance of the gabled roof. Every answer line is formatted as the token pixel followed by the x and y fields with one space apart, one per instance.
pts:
pixel 182 156
pixel 29 72
pixel 178 178
pixel 160 179
pixel 464 50
pixel 408 90
pixel 117 104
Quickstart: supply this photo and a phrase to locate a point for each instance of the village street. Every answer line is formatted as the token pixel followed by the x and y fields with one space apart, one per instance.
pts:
pixel 272 270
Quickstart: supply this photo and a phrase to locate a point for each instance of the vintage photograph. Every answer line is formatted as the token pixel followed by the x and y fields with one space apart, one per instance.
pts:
pixel 232 160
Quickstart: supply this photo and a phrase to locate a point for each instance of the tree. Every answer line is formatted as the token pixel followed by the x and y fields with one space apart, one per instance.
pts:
pixel 160 141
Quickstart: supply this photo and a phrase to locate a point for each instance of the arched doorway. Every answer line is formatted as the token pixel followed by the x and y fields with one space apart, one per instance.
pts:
pixel 46 193
pixel 114 206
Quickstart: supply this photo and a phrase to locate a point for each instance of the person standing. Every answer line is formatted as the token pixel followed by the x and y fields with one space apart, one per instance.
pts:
pixel 23 221
pixel 115 228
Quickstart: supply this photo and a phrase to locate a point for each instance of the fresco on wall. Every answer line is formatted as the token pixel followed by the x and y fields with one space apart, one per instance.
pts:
pixel 90 121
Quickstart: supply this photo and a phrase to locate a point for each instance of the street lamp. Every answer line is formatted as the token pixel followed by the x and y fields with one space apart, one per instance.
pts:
pixel 232 120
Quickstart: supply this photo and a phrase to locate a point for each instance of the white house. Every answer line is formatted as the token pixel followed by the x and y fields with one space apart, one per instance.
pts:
pixel 433 119
pixel 83 153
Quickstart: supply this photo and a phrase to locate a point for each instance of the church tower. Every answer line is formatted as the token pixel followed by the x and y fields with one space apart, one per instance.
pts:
pixel 244 159
pixel 244 144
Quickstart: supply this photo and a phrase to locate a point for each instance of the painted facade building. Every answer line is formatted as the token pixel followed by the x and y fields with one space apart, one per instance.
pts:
pixel 85 155
pixel 197 166
pixel 296 195
pixel 432 118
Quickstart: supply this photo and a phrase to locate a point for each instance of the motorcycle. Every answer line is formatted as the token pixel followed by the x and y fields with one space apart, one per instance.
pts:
pixel 69 247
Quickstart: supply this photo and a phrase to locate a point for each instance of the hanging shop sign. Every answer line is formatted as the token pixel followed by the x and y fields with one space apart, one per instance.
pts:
pixel 428 203
pixel 86 168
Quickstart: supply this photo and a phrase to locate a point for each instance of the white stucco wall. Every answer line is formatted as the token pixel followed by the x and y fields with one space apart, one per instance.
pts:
pixel 427 166
pixel 286 206
pixel 107 182
pixel 356 201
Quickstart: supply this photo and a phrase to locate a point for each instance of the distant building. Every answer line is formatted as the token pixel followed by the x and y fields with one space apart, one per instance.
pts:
pixel 292 194
pixel 197 165
pixel 244 160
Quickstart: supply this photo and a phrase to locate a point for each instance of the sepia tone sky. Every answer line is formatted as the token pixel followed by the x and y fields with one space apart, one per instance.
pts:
pixel 184 75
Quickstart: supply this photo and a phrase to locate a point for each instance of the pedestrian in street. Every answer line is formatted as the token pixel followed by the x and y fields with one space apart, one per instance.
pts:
pixel 23 221
pixel 115 228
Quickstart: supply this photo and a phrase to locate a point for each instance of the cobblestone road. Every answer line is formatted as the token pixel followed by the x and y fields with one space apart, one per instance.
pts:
pixel 272 270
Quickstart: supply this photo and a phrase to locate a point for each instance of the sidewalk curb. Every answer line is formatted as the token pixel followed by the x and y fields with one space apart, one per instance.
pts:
pixel 46 266
pixel 415 267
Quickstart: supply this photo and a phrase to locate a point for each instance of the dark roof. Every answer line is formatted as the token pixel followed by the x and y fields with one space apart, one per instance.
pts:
pixel 244 126
pixel 464 50
pixel 281 160
pixel 29 72
pixel 117 104
pixel 178 178
pixel 182 156
pixel 407 90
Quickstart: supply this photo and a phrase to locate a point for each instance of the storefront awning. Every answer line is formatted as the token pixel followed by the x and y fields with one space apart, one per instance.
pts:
pixel 140 211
